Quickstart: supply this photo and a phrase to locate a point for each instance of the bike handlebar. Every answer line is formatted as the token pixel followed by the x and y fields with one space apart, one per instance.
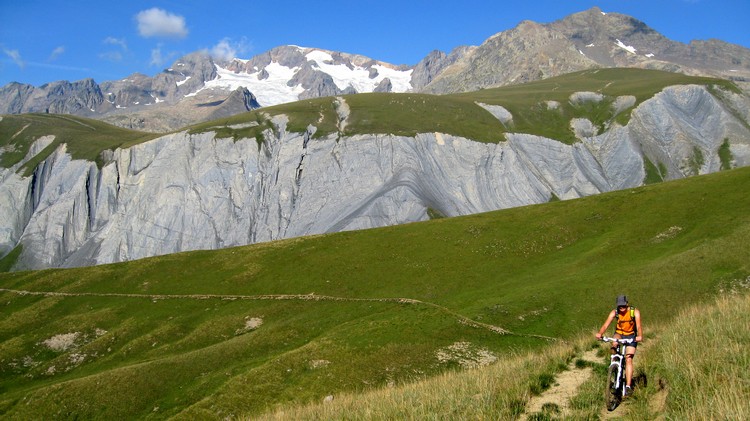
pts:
pixel 618 340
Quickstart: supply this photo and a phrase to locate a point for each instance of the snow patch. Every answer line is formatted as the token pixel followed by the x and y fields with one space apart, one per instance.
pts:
pixel 627 48
pixel 359 77
pixel 649 55
pixel 182 82
pixel 274 87
pixel 272 90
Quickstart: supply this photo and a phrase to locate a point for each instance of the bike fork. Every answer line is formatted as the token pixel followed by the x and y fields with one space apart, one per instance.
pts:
pixel 618 381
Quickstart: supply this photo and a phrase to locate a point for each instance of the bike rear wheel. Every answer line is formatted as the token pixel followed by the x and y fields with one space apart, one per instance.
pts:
pixel 611 394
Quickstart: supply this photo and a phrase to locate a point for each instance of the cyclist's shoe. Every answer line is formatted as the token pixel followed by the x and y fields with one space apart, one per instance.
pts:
pixel 628 391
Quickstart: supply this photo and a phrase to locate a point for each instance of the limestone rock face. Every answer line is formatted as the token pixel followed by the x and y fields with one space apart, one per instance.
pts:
pixel 196 191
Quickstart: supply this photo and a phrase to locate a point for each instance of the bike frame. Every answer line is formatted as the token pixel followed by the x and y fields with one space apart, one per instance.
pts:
pixel 617 360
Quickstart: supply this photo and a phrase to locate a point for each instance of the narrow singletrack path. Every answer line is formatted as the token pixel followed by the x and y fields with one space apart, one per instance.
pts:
pixel 302 297
pixel 566 387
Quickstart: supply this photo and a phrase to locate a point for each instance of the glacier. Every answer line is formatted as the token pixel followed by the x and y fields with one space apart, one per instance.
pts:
pixel 273 83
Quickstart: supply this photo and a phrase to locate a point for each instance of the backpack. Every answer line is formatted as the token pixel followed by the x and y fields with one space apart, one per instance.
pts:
pixel 632 316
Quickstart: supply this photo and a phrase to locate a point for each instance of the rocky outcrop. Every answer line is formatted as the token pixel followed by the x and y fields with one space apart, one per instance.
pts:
pixel 81 98
pixel 237 100
pixel 531 51
pixel 186 192
pixel 434 64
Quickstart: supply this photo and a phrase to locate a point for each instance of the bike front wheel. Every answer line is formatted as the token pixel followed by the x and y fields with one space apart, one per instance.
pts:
pixel 611 392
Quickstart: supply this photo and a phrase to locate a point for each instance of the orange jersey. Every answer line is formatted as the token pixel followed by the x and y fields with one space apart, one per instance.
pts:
pixel 625 323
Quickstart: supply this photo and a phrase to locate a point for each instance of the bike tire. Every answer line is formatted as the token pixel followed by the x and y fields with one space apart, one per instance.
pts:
pixel 611 394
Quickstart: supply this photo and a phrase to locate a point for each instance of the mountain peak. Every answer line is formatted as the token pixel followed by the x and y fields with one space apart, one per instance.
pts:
pixel 530 51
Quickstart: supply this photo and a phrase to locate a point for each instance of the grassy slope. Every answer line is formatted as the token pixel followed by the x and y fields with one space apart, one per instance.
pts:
pixel 86 138
pixel 698 379
pixel 549 270
pixel 527 102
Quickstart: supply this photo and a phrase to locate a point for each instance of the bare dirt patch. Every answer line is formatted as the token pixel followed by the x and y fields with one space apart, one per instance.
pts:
pixel 566 387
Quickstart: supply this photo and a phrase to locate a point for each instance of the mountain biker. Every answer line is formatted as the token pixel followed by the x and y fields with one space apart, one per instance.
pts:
pixel 628 326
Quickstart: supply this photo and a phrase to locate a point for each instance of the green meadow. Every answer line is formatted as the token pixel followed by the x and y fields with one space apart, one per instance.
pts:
pixel 85 138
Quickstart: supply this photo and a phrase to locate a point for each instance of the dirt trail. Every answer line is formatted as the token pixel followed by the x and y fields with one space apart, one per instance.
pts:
pixel 566 386
pixel 306 297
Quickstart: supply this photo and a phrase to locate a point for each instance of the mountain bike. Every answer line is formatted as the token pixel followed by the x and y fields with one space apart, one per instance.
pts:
pixel 615 388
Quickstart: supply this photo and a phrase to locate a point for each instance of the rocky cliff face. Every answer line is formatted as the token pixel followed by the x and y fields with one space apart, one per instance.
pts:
pixel 82 98
pixel 186 192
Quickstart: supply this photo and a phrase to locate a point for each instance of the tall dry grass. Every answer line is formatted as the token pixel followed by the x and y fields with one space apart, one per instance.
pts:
pixel 702 363
pixel 497 391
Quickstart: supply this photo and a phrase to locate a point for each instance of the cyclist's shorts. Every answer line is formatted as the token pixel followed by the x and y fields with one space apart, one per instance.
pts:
pixel 633 344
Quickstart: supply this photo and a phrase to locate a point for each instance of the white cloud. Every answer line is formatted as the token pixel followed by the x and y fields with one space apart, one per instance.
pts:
pixel 158 58
pixel 156 22
pixel 117 55
pixel 226 49
pixel 113 56
pixel 57 52
pixel 15 56
pixel 116 41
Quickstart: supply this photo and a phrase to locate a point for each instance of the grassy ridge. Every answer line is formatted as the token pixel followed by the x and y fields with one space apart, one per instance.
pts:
pixel 86 138
pixel 397 114
pixel 549 270
pixel 527 102
pixel 459 114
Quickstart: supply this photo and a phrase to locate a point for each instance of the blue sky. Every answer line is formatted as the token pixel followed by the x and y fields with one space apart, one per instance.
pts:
pixel 43 41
